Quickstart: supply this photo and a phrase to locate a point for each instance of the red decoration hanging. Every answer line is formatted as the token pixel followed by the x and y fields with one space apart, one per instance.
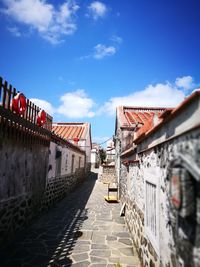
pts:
pixel 19 104
pixel 76 139
pixel 41 118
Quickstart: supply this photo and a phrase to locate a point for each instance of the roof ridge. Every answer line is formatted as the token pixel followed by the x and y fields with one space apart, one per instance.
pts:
pixel 144 108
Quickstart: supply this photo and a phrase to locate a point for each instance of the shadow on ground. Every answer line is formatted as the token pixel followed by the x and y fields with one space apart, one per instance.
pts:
pixel 50 239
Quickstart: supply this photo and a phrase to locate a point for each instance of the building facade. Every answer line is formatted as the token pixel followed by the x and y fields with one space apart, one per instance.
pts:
pixel 160 186
pixel 78 134
pixel 95 157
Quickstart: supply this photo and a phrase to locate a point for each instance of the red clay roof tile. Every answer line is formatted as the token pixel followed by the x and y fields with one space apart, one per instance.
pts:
pixel 167 115
pixel 70 130
pixel 131 116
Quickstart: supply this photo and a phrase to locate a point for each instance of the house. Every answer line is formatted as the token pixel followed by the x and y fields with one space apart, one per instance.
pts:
pixel 159 181
pixel 110 152
pixel 66 168
pixel 95 157
pixel 77 133
pixel 129 120
pixel 64 157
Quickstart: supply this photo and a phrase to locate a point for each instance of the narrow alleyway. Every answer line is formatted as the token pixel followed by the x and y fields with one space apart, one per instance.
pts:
pixel 81 230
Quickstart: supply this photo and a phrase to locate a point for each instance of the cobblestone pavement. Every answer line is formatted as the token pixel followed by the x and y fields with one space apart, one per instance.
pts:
pixel 81 230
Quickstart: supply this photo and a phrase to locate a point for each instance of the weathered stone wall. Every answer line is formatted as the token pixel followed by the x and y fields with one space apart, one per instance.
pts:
pixel 178 239
pixel 15 212
pixel 58 187
pixel 123 184
pixel 108 174
pixel 87 168
pixel 23 171
pixel 25 189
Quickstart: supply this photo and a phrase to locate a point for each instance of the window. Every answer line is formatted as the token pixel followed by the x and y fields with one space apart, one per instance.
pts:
pixel 66 162
pixel 72 166
pixel 79 163
pixel 152 177
pixel 151 208
pixel 58 165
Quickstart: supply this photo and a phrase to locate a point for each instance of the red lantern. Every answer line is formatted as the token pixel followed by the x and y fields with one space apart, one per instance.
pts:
pixel 76 139
pixel 41 118
pixel 19 104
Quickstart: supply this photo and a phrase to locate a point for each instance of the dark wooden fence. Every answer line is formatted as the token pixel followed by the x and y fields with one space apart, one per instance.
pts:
pixel 24 125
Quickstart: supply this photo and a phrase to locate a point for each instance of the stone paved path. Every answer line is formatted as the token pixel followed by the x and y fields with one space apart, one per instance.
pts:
pixel 82 230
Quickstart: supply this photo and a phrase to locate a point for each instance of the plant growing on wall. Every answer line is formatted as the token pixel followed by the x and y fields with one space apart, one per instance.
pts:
pixel 102 154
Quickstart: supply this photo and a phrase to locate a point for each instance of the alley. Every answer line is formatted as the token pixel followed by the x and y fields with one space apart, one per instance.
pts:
pixel 81 230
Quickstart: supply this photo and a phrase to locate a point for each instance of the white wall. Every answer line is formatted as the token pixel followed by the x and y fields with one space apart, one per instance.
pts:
pixel 52 161
pixel 66 160
pixel 93 156
pixel 86 146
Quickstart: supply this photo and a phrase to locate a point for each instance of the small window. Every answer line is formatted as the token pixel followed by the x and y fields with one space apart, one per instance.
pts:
pixel 58 165
pixel 79 163
pixel 66 163
pixel 72 166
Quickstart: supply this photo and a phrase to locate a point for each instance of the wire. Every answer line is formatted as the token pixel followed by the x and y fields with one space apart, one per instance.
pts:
pixel 105 141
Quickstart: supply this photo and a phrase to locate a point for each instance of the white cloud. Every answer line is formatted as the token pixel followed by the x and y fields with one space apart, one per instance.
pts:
pixel 76 105
pixel 43 104
pixel 101 51
pixel 185 82
pixel 15 31
pixel 50 23
pixel 73 105
pixel 116 39
pixel 97 10
pixel 159 95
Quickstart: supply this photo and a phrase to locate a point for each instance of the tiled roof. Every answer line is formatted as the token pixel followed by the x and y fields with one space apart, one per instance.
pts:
pixel 132 116
pixel 72 130
pixel 143 118
pixel 57 139
pixel 169 114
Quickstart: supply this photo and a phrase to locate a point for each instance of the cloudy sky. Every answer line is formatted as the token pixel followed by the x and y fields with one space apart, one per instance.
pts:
pixel 80 59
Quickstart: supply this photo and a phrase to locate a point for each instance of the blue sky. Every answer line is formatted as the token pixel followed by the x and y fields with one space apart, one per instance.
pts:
pixel 80 59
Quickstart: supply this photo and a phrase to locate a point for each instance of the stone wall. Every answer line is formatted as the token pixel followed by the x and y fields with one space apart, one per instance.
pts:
pixel 25 189
pixel 58 187
pixel 107 174
pixel 178 237
pixel 23 171
pixel 15 212
pixel 87 168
